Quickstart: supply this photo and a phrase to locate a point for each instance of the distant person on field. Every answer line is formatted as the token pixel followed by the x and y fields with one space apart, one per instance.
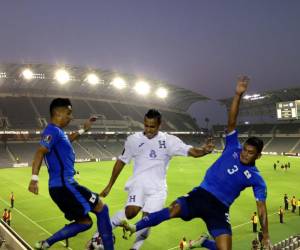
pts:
pixel 5 215
pixel 254 220
pixel 294 204
pixel 286 202
pixel 280 213
pixel 9 217
pixel 74 200
pixel 12 199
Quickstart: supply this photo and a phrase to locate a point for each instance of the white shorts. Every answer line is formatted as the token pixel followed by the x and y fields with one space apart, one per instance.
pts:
pixel 149 201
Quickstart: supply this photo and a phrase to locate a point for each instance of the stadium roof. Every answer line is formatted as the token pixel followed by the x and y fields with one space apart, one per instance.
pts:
pixel 42 82
pixel 264 103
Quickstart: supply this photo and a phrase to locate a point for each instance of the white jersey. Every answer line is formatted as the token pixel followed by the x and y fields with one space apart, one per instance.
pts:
pixel 151 158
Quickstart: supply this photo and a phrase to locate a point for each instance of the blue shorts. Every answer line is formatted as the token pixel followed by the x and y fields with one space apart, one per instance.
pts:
pixel 73 200
pixel 201 204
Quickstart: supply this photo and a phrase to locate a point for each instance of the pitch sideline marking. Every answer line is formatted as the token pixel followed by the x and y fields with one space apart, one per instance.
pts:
pixel 32 221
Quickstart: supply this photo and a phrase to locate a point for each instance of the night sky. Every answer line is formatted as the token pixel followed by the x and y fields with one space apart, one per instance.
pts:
pixel 201 45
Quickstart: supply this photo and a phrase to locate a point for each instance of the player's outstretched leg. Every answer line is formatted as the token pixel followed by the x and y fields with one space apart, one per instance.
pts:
pixel 150 220
pixel 67 231
pixel 141 236
pixel 117 219
pixel 104 225
pixel 203 241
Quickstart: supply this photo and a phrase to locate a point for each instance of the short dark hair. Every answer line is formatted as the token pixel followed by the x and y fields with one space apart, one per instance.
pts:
pixel 255 142
pixel 59 102
pixel 153 114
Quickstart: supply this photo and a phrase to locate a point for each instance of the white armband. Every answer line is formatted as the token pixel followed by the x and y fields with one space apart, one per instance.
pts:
pixel 35 177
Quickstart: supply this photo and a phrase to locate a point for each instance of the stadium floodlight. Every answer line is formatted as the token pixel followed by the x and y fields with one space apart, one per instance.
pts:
pixel 118 83
pixel 3 75
pixel 161 92
pixel 93 79
pixel 27 74
pixel 62 76
pixel 142 88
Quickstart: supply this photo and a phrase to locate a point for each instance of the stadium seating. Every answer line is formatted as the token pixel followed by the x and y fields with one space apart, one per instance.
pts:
pixel 5 160
pixel 20 113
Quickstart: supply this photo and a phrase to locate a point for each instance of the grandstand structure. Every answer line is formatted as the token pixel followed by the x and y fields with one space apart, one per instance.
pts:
pixel 279 136
pixel 118 100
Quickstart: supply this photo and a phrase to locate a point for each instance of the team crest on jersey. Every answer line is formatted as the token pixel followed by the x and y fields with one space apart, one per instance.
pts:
pixel 47 139
pixel 162 144
pixel 235 155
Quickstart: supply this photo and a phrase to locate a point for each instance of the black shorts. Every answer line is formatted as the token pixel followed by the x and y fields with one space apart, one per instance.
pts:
pixel 201 204
pixel 73 200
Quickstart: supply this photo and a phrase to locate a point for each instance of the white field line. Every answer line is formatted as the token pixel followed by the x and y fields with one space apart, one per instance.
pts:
pixel 32 221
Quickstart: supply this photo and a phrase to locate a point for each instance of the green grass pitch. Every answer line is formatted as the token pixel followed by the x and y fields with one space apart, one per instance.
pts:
pixel 36 217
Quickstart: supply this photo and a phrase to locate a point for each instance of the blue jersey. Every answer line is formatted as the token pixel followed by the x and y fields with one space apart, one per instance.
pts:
pixel 60 158
pixel 227 177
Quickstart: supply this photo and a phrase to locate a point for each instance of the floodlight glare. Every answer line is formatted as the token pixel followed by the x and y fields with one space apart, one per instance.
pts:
pixel 162 93
pixel 118 83
pixel 142 88
pixel 92 79
pixel 27 74
pixel 62 76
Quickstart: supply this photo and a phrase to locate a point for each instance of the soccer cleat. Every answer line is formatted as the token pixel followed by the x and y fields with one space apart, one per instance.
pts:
pixel 198 243
pixel 40 245
pixel 127 227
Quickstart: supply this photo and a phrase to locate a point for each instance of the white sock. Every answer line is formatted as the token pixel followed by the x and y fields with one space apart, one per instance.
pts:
pixel 141 236
pixel 117 218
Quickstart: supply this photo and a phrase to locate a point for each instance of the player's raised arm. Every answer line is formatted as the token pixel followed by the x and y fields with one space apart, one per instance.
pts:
pixel 36 165
pixel 86 126
pixel 207 148
pixel 118 167
pixel 263 219
pixel 241 87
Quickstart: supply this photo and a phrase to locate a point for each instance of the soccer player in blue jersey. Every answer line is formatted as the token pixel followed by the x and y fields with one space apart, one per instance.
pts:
pixel 73 200
pixel 233 171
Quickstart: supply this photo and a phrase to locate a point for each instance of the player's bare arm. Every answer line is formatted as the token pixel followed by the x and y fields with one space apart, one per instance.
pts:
pixel 118 167
pixel 263 219
pixel 36 166
pixel 205 149
pixel 241 88
pixel 86 126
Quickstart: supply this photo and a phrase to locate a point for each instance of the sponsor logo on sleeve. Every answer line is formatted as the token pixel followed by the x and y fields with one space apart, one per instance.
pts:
pixel 47 139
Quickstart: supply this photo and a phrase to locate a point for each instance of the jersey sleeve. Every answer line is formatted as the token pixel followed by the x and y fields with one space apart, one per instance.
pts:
pixel 259 188
pixel 49 138
pixel 127 154
pixel 177 146
pixel 232 141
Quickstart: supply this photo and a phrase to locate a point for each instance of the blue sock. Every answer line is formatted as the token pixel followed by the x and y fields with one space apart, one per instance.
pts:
pixel 153 219
pixel 104 228
pixel 210 244
pixel 68 231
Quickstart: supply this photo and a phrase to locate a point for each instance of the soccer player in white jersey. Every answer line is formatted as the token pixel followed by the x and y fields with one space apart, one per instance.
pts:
pixel 151 151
